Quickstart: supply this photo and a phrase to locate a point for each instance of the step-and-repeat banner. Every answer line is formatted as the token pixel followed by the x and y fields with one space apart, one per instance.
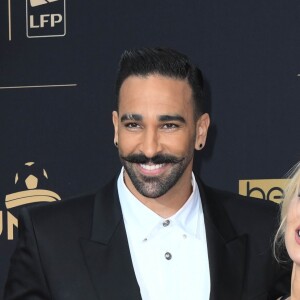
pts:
pixel 58 61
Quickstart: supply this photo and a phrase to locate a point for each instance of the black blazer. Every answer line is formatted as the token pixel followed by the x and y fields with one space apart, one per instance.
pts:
pixel 78 250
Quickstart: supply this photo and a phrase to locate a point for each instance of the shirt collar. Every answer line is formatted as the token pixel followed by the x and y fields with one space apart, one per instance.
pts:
pixel 141 220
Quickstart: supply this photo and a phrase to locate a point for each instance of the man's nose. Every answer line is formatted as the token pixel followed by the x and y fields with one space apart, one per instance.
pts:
pixel 150 145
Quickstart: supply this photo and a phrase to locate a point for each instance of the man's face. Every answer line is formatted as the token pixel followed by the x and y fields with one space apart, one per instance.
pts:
pixel 156 134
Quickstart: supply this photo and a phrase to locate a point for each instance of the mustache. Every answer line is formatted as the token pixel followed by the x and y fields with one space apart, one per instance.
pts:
pixel 157 159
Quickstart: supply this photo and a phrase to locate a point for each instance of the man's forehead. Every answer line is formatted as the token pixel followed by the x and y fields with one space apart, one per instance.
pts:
pixel 155 88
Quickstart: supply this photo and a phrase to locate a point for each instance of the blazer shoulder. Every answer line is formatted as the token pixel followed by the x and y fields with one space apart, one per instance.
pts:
pixel 241 202
pixel 62 206
pixel 75 211
pixel 244 212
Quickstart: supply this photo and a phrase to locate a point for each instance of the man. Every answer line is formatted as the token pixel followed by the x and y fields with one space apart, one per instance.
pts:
pixel 156 232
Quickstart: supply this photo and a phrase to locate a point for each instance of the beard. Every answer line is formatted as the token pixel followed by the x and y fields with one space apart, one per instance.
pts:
pixel 155 186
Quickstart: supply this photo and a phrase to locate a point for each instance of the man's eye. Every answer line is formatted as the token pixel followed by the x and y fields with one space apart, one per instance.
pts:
pixel 132 125
pixel 170 126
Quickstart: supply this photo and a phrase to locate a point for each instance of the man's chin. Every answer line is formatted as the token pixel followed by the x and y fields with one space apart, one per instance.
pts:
pixel 148 186
pixel 150 192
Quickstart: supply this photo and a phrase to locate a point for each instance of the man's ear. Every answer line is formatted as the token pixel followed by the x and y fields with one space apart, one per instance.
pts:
pixel 115 119
pixel 201 131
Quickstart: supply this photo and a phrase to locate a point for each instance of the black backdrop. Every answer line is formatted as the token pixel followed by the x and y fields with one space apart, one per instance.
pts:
pixel 57 88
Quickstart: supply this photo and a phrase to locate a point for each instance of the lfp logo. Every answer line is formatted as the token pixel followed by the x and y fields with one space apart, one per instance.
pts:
pixel 45 18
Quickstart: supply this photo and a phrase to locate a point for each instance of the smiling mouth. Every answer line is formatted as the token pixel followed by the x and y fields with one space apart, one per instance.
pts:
pixel 151 167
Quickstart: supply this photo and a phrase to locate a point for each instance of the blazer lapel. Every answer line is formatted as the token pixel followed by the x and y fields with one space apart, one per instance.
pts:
pixel 226 250
pixel 107 253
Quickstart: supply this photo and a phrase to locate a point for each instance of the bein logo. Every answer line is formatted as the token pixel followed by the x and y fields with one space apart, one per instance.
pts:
pixel 45 18
pixel 267 189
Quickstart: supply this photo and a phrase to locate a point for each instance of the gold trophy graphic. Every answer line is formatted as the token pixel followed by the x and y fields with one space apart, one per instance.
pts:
pixel 28 180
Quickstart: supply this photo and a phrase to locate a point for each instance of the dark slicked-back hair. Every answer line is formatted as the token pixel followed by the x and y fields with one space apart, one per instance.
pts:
pixel 161 61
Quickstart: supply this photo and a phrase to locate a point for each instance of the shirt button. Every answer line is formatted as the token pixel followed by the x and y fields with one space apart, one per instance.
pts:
pixel 168 255
pixel 166 223
pixel 184 236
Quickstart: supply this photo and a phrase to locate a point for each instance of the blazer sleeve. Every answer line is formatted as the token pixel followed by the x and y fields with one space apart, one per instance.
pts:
pixel 26 280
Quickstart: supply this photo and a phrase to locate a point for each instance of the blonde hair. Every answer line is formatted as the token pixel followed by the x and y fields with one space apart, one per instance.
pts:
pixel 290 190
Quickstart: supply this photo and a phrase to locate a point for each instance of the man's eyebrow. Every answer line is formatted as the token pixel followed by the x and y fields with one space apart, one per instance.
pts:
pixel 168 118
pixel 131 117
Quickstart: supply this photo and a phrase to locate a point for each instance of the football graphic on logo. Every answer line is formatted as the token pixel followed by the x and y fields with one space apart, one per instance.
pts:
pixel 30 177
pixel 31 184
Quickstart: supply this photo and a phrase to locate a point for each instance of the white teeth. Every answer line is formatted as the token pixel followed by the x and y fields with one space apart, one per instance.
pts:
pixel 298 231
pixel 151 167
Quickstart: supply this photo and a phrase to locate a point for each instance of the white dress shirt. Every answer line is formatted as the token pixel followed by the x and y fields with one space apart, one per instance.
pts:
pixel 169 256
